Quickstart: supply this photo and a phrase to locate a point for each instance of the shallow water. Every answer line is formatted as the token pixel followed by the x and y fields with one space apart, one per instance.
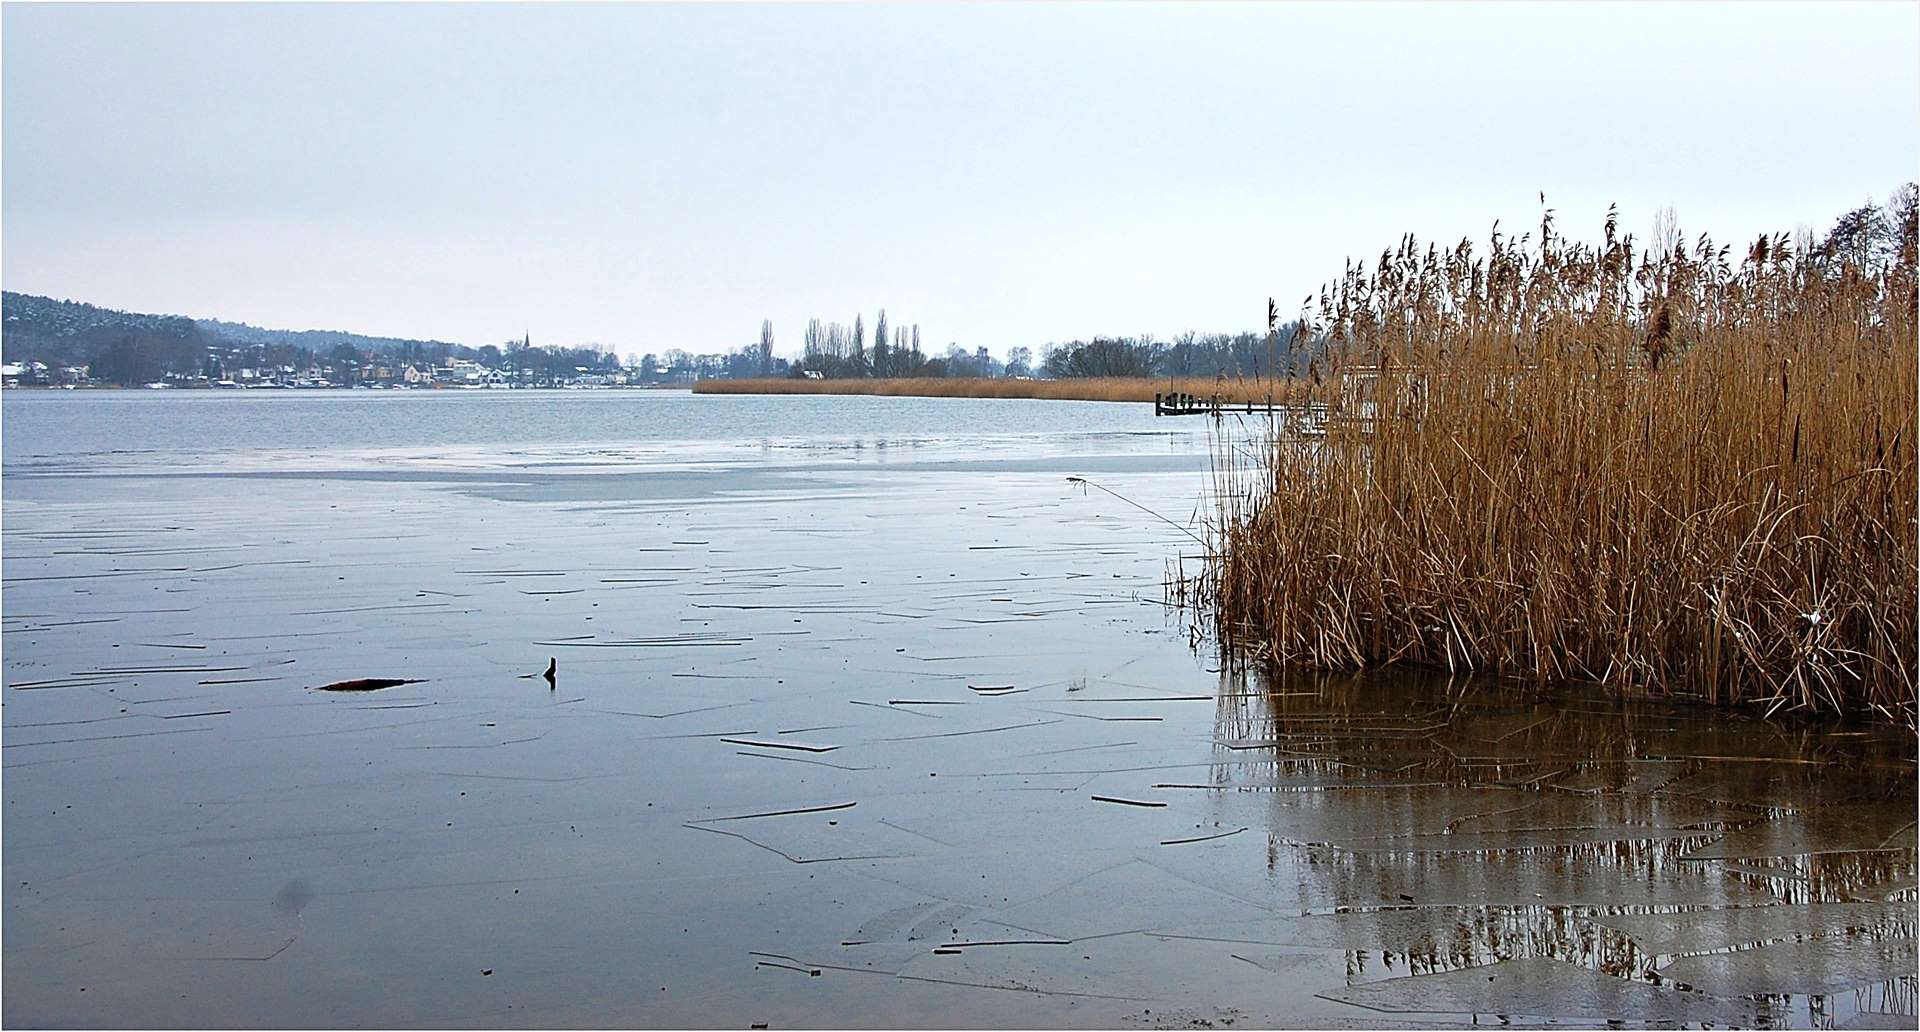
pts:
pixel 864 716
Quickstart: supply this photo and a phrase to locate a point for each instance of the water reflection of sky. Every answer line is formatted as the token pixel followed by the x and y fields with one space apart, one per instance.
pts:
pixel 490 430
pixel 566 432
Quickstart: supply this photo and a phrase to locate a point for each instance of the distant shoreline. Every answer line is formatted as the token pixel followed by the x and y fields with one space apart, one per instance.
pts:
pixel 1112 389
pixel 1078 389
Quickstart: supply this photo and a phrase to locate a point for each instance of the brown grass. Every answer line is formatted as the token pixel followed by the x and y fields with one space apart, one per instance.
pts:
pixel 1084 389
pixel 1669 475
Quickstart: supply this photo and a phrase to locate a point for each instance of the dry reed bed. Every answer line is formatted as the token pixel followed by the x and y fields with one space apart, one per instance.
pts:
pixel 1673 475
pixel 1082 389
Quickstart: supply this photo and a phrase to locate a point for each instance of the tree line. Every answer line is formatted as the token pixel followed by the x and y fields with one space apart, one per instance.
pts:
pixel 836 350
pixel 1235 355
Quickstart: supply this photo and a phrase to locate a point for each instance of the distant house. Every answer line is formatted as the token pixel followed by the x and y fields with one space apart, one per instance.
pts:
pixel 461 372
pixel 29 373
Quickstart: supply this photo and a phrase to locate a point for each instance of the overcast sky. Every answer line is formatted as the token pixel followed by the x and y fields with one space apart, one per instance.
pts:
pixel 651 176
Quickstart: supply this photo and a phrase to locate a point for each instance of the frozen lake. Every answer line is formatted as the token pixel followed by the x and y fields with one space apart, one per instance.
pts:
pixel 864 716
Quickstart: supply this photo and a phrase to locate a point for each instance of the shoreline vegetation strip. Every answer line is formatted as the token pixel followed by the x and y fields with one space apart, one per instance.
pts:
pixel 1236 391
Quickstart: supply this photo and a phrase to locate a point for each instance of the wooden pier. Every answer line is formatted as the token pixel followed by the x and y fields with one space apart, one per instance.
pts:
pixel 1292 421
pixel 1178 404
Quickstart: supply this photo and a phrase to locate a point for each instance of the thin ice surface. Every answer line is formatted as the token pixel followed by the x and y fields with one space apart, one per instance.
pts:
pixel 749 638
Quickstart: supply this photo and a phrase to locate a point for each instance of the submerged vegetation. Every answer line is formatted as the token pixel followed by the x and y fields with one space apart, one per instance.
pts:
pixel 1096 388
pixel 1678 471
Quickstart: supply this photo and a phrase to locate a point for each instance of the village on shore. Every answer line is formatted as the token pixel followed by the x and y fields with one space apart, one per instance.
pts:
pixel 454 373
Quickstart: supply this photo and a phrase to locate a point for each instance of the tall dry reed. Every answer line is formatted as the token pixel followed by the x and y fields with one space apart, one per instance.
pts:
pixel 1668 473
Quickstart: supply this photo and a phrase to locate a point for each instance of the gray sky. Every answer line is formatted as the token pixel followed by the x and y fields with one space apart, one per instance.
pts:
pixel 659 176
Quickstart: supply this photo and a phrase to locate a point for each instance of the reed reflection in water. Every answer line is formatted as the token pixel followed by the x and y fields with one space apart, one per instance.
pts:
pixel 1458 825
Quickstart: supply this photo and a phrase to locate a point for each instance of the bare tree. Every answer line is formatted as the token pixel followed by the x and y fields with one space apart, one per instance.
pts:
pixel 1020 361
pixel 858 356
